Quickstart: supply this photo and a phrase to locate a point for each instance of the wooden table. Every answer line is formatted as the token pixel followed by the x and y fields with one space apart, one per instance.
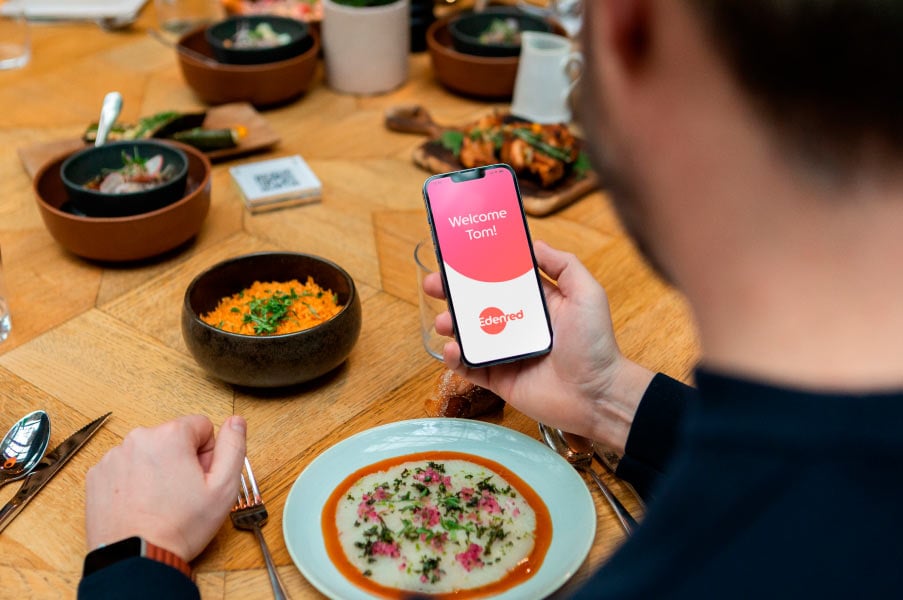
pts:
pixel 90 338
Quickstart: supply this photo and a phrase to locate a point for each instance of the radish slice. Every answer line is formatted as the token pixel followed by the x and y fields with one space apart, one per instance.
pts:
pixel 154 165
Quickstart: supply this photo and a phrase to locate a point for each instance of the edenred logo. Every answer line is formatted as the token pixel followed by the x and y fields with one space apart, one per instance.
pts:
pixel 493 320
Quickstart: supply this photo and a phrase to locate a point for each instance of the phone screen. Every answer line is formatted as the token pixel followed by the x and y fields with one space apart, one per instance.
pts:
pixel 486 258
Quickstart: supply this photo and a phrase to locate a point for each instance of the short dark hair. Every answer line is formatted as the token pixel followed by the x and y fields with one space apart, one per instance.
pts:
pixel 825 72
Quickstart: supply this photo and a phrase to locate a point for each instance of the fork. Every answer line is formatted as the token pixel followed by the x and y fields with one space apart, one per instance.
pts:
pixel 249 514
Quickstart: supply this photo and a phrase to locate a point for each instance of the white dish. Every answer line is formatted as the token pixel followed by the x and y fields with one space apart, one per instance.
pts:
pixel 557 483
pixel 73 9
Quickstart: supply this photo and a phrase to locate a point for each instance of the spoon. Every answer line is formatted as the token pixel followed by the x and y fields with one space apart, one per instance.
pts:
pixel 24 446
pixel 109 112
pixel 578 451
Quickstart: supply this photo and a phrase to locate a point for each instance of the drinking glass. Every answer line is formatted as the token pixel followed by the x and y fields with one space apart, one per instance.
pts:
pixel 15 38
pixel 425 260
pixel 179 16
pixel 5 323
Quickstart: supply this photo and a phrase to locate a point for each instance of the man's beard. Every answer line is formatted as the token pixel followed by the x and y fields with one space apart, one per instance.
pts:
pixel 617 172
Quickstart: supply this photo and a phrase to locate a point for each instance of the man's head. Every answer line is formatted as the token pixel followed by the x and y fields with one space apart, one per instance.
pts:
pixel 819 79
pixel 825 73
pixel 754 149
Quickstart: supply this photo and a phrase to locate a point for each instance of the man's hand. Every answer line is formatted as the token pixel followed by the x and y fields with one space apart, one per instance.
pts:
pixel 173 485
pixel 584 385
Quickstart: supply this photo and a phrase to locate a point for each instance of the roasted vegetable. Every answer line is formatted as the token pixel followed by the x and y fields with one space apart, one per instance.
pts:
pixel 207 140
pixel 544 153
pixel 160 125
pixel 184 127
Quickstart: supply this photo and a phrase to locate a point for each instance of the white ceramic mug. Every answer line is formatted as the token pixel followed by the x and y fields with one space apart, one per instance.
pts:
pixel 546 74
pixel 366 48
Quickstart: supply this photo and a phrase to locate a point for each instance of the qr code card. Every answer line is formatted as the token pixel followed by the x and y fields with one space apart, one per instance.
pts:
pixel 276 183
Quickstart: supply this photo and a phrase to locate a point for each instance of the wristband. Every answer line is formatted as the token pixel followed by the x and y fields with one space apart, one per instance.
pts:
pixel 105 556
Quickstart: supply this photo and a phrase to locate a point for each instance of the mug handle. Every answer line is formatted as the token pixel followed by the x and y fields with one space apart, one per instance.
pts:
pixel 573 68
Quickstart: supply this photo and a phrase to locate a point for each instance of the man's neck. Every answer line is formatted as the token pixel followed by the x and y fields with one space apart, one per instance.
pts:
pixel 817 302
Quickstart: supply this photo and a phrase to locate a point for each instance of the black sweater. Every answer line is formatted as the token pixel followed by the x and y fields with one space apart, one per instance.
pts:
pixel 769 493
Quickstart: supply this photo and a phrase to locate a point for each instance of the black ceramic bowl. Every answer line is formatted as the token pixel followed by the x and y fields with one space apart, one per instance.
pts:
pixel 85 165
pixel 273 360
pixel 219 34
pixel 467 27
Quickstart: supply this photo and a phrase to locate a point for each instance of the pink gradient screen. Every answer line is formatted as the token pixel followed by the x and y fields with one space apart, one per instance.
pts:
pixel 479 226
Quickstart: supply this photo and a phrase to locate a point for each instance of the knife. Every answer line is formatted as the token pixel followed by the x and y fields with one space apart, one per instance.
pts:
pixel 47 468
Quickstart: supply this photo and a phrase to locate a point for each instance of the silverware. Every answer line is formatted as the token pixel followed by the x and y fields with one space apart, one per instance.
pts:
pixel 578 451
pixel 109 112
pixel 47 468
pixel 250 514
pixel 24 446
pixel 610 461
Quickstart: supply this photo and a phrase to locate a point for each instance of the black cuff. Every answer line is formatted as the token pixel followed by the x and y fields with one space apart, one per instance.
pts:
pixel 654 432
pixel 138 579
pixel 639 475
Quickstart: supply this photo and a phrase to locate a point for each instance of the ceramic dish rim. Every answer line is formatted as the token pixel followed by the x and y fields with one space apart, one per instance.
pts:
pixel 356 453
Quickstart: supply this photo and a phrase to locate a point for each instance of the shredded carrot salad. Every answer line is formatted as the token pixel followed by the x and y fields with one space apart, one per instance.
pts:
pixel 273 308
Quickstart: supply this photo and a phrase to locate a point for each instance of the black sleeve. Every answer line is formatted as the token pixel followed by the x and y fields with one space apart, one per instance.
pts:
pixel 653 434
pixel 137 579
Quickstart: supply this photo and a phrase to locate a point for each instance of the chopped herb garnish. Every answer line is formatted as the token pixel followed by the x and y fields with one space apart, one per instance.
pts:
pixel 267 313
pixel 312 310
pixel 415 524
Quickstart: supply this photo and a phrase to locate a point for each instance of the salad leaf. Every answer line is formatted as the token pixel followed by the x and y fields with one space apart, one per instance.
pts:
pixel 582 165
pixel 452 140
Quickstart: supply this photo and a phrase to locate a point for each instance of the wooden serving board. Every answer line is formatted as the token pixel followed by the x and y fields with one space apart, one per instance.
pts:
pixel 260 136
pixel 432 156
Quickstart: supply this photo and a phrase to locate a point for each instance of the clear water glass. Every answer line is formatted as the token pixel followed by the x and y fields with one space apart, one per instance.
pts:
pixel 15 38
pixel 425 259
pixel 177 17
pixel 5 323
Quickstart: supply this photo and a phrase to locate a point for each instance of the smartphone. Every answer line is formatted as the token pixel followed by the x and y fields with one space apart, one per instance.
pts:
pixel 486 260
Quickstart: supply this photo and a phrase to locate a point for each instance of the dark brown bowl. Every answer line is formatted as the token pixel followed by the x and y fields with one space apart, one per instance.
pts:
pixel 490 78
pixel 86 165
pixel 272 360
pixel 261 85
pixel 465 30
pixel 218 34
pixel 120 239
pixel 483 77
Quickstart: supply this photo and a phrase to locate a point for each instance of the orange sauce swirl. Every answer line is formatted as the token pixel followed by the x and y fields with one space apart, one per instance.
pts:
pixel 525 569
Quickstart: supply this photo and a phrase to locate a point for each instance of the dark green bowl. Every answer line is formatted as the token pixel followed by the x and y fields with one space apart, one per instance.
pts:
pixel 85 165
pixel 218 33
pixel 273 360
pixel 466 28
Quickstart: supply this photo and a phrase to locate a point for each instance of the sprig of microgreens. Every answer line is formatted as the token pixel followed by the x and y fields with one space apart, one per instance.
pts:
pixel 267 313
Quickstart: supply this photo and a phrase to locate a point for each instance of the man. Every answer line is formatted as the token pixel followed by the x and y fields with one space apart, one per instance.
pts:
pixel 755 151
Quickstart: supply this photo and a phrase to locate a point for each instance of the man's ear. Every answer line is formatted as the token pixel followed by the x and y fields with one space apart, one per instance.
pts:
pixel 626 27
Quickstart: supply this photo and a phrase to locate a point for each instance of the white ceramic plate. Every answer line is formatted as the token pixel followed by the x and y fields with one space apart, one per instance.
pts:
pixel 557 483
pixel 73 9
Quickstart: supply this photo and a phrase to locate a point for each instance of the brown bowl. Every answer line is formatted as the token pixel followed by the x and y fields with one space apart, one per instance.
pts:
pixel 261 85
pixel 120 239
pixel 487 77
pixel 484 77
